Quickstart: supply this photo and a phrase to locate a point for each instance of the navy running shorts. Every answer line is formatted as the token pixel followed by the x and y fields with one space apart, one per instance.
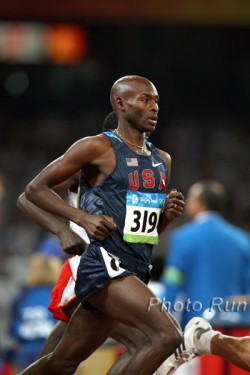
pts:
pixel 98 266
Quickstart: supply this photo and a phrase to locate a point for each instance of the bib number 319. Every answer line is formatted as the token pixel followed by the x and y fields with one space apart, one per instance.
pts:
pixel 142 216
pixel 144 221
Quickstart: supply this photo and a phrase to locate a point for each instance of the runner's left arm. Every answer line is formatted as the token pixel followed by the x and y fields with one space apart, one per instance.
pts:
pixel 175 203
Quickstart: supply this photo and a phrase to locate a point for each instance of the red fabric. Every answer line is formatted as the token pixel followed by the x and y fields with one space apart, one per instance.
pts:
pixel 211 365
pixel 55 305
pixel 6 369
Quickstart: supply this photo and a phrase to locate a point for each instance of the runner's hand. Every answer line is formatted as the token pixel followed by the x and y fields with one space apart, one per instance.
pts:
pixel 98 227
pixel 174 204
pixel 71 243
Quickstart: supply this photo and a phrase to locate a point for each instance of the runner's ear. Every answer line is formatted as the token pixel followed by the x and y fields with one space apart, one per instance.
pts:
pixel 119 103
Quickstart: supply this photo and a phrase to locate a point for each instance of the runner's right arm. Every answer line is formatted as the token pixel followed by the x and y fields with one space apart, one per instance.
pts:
pixel 94 155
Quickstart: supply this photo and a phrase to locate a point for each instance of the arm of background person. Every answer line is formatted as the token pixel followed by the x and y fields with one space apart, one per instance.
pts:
pixel 70 241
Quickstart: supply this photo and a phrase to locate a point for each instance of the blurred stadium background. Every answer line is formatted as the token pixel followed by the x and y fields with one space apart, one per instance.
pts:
pixel 58 61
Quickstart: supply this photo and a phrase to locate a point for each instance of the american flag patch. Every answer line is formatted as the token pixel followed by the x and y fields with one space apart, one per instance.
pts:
pixel 132 162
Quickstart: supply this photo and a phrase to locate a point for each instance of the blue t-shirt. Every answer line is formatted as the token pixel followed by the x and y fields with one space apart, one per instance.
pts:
pixel 207 261
pixel 31 323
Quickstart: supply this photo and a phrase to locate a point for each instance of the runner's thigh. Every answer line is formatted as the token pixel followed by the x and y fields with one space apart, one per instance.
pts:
pixel 129 301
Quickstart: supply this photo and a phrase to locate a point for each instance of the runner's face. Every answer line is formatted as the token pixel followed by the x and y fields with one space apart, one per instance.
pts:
pixel 141 105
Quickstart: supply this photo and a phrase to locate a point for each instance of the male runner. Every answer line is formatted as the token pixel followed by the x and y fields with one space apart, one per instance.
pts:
pixel 63 299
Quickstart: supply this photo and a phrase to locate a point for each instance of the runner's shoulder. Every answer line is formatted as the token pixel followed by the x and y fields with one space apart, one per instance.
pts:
pixel 96 143
pixel 165 156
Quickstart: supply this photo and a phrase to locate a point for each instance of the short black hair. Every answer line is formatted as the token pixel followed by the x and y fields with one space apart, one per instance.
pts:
pixel 110 122
pixel 213 195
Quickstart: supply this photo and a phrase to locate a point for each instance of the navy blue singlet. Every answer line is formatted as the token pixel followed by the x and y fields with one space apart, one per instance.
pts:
pixel 134 195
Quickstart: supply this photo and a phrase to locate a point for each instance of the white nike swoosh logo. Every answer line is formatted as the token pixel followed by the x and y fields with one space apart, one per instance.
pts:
pixel 156 164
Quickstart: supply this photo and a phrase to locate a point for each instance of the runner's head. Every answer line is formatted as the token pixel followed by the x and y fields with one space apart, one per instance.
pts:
pixel 135 102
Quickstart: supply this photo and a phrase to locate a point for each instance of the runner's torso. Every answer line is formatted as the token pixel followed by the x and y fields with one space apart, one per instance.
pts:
pixel 134 195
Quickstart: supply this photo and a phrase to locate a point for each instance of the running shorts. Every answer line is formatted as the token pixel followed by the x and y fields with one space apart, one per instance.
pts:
pixel 98 266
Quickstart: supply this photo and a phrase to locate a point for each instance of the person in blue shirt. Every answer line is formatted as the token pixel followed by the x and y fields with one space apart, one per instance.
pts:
pixel 31 322
pixel 208 259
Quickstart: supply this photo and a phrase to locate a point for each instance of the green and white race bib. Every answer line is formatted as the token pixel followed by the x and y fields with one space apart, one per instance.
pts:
pixel 142 216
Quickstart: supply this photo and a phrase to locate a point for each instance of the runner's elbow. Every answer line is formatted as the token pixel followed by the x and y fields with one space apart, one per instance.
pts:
pixel 31 192
pixel 20 201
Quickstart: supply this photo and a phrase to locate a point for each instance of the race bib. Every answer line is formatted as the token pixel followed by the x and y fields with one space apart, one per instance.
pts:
pixel 142 216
